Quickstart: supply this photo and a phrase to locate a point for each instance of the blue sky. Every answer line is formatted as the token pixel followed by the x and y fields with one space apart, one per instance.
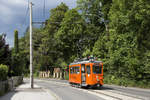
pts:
pixel 13 15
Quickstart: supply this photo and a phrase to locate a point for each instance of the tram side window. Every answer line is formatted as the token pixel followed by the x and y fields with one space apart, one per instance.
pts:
pixel 83 68
pixel 88 71
pixel 97 69
pixel 77 70
pixel 74 70
pixel 71 70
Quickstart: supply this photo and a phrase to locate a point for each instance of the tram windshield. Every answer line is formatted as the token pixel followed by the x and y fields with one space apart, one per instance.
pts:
pixel 97 69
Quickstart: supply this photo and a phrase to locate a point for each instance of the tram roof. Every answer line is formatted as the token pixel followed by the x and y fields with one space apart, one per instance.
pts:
pixel 85 62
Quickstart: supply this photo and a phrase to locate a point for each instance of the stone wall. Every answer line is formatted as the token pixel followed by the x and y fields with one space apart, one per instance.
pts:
pixel 44 74
pixel 57 73
pixel 9 84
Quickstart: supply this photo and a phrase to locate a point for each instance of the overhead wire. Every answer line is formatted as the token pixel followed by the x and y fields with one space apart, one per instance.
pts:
pixel 23 25
pixel 27 11
pixel 44 10
pixel 23 22
pixel 40 16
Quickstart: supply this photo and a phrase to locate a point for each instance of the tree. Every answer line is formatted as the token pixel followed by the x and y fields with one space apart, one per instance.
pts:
pixel 16 44
pixel 18 58
pixel 95 12
pixel 70 34
pixel 56 16
pixel 126 50
pixel 48 49
pixel 4 51
pixel 3 72
pixel 44 45
pixel 91 10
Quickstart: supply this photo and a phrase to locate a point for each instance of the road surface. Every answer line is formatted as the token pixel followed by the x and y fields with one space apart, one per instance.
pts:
pixel 63 91
pixel 66 92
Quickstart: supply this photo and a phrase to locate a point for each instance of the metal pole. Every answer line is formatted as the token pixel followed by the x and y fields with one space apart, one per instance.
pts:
pixel 31 62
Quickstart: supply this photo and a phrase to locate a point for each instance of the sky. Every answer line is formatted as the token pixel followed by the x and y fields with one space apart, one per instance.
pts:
pixel 14 14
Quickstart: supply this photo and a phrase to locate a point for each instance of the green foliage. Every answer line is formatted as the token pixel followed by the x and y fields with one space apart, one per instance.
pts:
pixel 16 44
pixel 70 33
pixel 115 31
pixel 66 77
pixel 48 47
pixel 126 52
pixel 57 15
pixel 4 51
pixel 91 10
pixel 3 72
pixel 109 79
pixel 36 74
pixel 18 64
pixel 18 56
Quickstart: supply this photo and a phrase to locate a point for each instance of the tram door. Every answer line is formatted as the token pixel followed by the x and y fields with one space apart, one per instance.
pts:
pixel 83 74
pixel 88 74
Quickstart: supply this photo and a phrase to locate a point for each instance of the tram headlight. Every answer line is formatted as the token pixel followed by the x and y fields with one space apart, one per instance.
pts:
pixel 97 78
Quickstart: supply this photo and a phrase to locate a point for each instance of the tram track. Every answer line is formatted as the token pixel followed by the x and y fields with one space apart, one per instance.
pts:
pixel 106 94
pixel 129 95
pixel 102 95
pixel 113 94
pixel 117 95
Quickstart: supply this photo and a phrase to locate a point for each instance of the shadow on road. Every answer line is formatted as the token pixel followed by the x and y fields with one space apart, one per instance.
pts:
pixel 100 88
pixel 8 96
pixel 106 88
pixel 18 91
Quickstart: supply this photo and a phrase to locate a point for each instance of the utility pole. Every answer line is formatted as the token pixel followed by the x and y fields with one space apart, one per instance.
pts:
pixel 31 58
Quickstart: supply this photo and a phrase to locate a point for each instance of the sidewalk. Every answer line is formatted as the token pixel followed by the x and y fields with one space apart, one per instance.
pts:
pixel 23 92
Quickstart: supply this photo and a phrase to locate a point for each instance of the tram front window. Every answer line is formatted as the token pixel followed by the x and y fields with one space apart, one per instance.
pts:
pixel 97 69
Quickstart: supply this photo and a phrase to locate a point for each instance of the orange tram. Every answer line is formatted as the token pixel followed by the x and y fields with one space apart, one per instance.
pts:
pixel 86 73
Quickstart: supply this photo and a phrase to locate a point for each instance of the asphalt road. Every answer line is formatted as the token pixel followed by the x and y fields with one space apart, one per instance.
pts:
pixel 69 93
pixel 133 91
pixel 66 92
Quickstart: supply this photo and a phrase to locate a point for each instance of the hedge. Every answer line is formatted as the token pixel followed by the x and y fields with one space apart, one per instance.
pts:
pixel 3 72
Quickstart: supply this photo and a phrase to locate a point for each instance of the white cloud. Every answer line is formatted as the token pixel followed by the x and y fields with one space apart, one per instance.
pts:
pixel 10 9
pixel 12 14
pixel 15 2
pixel 5 13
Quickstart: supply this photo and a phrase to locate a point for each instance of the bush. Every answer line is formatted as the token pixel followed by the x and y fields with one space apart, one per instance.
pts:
pixel 3 72
pixel 122 81
pixel 17 65
pixel 66 77
pixel 36 74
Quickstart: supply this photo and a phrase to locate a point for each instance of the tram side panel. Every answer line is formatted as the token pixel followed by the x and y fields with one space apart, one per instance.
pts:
pixel 74 74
